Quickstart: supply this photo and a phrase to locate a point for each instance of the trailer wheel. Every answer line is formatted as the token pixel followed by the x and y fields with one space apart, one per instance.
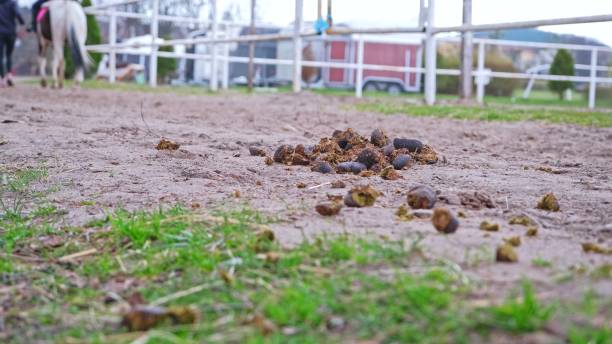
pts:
pixel 370 87
pixel 394 89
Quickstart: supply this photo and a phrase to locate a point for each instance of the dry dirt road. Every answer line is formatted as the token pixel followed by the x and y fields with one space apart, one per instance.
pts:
pixel 101 153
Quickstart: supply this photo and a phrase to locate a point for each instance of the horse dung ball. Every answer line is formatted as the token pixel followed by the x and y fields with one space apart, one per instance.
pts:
pixel 361 196
pixel 411 145
pixel 283 154
pixel 378 138
pixel 506 254
pixel 257 151
pixel 322 167
pixel 549 202
pixel 444 221
pixel 401 161
pixel 350 167
pixel 369 157
pixel 328 208
pixel 421 197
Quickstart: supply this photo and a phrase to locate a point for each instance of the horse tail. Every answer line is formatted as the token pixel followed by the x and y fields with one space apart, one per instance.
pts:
pixel 77 34
pixel 80 61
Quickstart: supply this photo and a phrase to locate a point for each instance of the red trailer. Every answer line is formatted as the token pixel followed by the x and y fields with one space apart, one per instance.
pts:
pixel 376 52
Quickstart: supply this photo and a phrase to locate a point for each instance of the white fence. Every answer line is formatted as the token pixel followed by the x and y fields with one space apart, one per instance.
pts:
pixel 426 25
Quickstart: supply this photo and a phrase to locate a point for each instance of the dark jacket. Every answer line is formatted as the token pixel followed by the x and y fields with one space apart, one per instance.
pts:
pixel 8 14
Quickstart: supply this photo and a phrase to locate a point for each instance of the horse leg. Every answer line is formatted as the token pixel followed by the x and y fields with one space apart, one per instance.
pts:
pixel 58 56
pixel 42 63
pixel 79 76
pixel 61 70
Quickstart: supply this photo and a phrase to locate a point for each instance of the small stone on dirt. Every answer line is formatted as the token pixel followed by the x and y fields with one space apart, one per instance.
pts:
pixel 532 231
pixel 389 173
pixel 514 241
pixel 489 226
pixel 165 144
pixel 338 184
pixel 549 202
pixel 257 151
pixel 404 214
pixel 444 221
pixel 143 318
pixel 522 220
pixel 361 196
pixel 589 247
pixel 421 197
pixel 268 161
pixel 475 200
pixel 506 254
pixel 328 208
pixel 300 185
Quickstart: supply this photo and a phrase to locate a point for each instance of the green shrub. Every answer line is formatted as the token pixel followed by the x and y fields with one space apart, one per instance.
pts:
pixel 165 66
pixel 563 64
pixel 501 87
pixel 93 37
pixel 449 84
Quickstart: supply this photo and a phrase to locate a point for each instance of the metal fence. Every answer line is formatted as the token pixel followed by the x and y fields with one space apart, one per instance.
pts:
pixel 426 27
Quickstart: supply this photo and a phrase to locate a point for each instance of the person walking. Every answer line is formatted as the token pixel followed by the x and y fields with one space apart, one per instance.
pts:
pixel 9 14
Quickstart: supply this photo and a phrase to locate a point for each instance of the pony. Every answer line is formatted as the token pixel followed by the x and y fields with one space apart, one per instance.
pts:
pixel 60 21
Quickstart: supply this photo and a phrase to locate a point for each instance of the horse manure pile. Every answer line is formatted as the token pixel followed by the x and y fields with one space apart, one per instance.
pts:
pixel 349 152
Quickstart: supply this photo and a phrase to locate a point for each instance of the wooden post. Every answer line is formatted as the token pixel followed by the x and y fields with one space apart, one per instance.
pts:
pixel 593 81
pixel 112 37
pixel 252 30
pixel 480 86
pixel 214 70
pixel 465 88
pixel 430 56
pixel 154 47
pixel 297 47
pixel 359 77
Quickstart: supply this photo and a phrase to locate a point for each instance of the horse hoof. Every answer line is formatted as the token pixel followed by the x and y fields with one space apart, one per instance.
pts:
pixel 43 83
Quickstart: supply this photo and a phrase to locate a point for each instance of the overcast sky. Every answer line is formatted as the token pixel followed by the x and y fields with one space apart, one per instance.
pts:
pixel 448 12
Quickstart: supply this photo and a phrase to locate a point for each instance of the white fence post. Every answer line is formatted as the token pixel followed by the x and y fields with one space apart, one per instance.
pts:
pixel 430 56
pixel 297 47
pixel 214 70
pixel 226 62
pixel 154 47
pixel 112 37
pixel 480 78
pixel 359 77
pixel 593 81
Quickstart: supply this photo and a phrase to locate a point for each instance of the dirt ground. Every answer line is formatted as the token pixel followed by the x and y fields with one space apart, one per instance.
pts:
pixel 98 148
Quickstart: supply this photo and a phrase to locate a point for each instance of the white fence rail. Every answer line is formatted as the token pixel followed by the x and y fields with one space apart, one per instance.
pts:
pixel 426 26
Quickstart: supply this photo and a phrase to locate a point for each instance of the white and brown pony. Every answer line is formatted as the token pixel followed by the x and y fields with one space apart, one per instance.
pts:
pixel 60 21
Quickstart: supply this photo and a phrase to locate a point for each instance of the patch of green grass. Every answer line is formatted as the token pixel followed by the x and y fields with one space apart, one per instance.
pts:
pixel 330 289
pixel 523 315
pixel 16 190
pixel 493 113
pixel 542 263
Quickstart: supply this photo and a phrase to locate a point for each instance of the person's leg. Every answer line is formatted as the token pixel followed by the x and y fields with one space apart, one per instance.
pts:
pixel 10 45
pixel 1 59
